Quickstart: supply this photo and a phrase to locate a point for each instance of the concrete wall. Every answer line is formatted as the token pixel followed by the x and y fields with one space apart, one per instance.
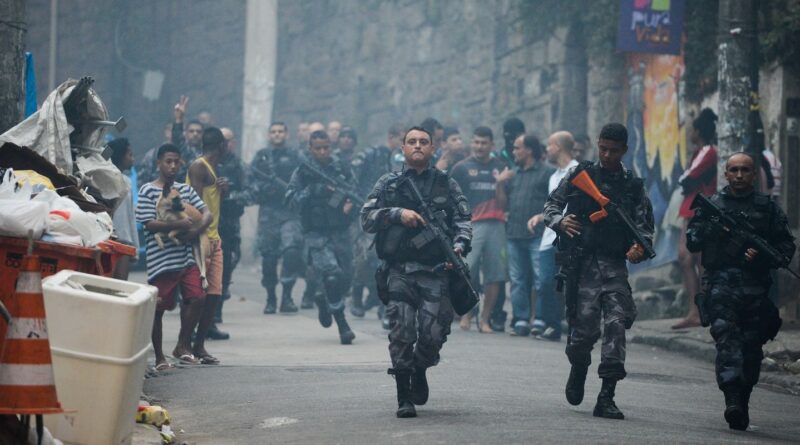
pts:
pixel 198 45
pixel 467 62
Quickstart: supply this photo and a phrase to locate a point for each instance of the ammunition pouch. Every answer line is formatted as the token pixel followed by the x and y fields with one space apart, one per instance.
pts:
pixel 388 242
pixel 336 199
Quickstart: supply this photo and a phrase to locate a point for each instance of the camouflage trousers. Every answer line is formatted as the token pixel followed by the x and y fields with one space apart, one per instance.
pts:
pixel 276 241
pixel 604 297
pixel 329 257
pixel 419 314
pixel 734 308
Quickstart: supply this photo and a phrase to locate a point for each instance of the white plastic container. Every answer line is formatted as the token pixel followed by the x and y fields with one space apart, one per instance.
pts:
pixel 99 332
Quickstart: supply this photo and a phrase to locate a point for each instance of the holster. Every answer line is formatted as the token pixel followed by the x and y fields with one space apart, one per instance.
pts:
pixel 382 282
pixel 701 301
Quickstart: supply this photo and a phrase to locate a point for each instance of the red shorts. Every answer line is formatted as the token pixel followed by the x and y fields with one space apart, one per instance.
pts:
pixel 189 280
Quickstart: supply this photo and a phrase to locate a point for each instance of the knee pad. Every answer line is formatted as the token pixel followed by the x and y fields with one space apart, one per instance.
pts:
pixel 332 283
pixel 293 260
pixel 721 327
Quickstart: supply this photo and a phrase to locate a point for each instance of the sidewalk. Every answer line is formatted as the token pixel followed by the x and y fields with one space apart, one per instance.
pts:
pixel 781 365
pixel 294 342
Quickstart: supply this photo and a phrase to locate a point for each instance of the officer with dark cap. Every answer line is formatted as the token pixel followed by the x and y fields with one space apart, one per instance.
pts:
pixel 598 251
pixel 735 301
pixel 415 279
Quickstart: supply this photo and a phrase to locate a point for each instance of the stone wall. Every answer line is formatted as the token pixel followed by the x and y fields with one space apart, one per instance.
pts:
pixel 466 62
pixel 198 45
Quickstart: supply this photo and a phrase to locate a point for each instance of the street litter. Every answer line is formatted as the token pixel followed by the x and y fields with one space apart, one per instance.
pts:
pixel 152 415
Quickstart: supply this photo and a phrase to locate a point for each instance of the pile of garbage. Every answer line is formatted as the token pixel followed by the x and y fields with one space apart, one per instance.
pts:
pixel 57 179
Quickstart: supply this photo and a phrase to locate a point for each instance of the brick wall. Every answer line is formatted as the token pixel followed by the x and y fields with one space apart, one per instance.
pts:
pixel 467 62
pixel 198 45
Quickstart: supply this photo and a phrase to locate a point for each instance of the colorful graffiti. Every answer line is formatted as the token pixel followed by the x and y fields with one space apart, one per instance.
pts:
pixel 657 142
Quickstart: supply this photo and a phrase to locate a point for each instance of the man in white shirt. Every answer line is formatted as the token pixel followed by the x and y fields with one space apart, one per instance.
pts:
pixel 549 305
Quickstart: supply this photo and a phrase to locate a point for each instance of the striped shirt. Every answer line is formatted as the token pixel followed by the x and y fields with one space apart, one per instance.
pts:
pixel 172 257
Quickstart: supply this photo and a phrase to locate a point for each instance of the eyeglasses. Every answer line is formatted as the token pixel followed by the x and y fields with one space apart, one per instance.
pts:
pixel 420 142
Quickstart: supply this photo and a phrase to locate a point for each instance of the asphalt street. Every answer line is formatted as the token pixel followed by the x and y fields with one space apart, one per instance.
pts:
pixel 286 380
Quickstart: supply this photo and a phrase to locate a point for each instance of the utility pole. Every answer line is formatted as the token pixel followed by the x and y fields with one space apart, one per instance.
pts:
pixel 737 77
pixel 12 59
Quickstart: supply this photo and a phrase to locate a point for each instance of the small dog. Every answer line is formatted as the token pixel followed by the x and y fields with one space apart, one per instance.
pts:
pixel 170 207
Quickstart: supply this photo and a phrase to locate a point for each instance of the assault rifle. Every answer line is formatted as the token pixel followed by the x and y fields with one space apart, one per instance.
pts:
pixel 269 177
pixel 585 184
pixel 742 234
pixel 464 298
pixel 341 189
pixel 568 276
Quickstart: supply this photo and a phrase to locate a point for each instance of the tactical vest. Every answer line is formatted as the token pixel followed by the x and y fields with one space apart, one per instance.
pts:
pixel 282 167
pixel 400 244
pixel 317 214
pixel 607 237
pixel 719 250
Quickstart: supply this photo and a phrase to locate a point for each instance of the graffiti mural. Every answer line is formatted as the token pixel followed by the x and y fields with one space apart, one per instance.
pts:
pixel 657 142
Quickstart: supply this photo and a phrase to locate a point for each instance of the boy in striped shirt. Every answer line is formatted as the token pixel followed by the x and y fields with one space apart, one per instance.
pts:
pixel 174 264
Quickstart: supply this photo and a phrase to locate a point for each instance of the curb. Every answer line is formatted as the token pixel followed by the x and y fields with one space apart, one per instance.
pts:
pixel 704 351
pixel 685 345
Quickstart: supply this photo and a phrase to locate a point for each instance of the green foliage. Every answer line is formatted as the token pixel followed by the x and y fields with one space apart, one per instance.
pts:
pixel 700 48
pixel 780 32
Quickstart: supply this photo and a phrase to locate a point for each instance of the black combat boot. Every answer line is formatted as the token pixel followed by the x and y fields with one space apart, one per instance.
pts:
pixel 746 402
pixel 605 401
pixel 575 383
pixel 405 408
pixel 735 413
pixel 346 336
pixel 324 312
pixel 287 305
pixel 419 387
pixel 272 301
pixel 214 333
pixel 308 300
pixel 357 307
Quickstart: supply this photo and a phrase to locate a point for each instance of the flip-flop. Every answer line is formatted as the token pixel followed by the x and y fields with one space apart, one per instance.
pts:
pixel 209 360
pixel 187 359
pixel 163 366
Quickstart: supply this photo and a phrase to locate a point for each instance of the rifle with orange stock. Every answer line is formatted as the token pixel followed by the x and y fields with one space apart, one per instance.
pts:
pixel 585 184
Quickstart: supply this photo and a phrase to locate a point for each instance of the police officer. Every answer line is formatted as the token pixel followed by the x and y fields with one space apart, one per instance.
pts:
pixel 279 231
pixel 416 285
pixel 602 286
pixel 326 219
pixel 737 282
pixel 369 165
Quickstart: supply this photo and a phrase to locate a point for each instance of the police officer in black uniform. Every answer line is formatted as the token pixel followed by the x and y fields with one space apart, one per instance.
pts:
pixel 736 283
pixel 368 166
pixel 279 232
pixel 326 217
pixel 415 280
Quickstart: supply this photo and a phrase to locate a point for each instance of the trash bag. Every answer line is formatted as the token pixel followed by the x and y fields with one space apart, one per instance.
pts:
pixel 18 214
